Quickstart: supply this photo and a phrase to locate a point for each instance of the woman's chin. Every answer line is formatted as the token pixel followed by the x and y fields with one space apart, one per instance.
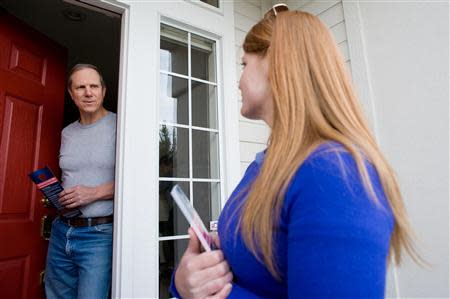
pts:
pixel 247 114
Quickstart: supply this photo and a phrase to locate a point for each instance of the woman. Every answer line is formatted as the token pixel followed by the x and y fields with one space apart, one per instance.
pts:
pixel 319 212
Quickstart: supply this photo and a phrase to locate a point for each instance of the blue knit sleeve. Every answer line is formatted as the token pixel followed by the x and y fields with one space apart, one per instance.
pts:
pixel 173 289
pixel 338 237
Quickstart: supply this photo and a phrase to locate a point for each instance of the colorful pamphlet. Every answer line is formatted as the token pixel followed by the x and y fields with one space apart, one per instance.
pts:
pixel 49 185
pixel 192 217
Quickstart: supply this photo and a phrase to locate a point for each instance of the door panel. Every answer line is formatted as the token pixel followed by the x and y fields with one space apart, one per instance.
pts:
pixel 32 82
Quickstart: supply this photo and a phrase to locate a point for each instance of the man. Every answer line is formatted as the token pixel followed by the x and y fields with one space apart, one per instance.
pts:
pixel 80 249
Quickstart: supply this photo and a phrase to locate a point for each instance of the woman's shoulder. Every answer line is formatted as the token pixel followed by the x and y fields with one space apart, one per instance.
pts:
pixel 327 152
pixel 327 159
pixel 329 179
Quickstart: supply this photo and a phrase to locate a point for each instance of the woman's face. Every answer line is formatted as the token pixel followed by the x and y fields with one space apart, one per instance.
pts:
pixel 255 88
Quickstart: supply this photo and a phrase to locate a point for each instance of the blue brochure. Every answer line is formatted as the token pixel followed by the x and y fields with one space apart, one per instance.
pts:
pixel 49 185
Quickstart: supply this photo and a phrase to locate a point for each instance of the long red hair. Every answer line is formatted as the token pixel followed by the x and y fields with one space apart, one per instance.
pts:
pixel 313 100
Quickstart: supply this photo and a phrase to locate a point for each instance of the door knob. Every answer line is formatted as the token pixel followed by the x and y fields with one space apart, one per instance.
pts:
pixel 46 203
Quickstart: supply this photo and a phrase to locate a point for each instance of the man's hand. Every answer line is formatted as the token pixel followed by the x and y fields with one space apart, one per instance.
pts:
pixel 80 195
pixel 77 196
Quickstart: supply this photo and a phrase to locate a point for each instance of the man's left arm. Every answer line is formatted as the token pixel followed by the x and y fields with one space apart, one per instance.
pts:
pixel 105 191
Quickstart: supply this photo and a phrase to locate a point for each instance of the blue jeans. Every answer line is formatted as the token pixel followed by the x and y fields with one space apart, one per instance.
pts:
pixel 79 262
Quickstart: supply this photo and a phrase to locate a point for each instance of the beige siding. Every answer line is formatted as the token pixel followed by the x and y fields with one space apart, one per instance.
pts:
pixel 249 150
pixel 244 166
pixel 332 14
pixel 252 134
pixel 248 9
pixel 256 133
pixel 339 32
pixel 318 7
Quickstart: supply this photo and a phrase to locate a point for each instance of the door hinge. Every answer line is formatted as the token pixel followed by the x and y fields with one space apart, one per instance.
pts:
pixel 41 278
pixel 46 227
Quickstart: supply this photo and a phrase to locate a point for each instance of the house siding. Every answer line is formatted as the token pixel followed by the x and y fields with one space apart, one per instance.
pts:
pixel 332 14
pixel 252 134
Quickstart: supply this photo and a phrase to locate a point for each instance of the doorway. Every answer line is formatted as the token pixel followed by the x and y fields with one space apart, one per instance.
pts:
pixel 89 35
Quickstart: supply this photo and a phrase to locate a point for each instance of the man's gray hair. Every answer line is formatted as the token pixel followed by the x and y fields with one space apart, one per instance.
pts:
pixel 82 66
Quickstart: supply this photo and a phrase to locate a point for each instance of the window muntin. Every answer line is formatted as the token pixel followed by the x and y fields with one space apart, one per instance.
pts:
pixel 189 145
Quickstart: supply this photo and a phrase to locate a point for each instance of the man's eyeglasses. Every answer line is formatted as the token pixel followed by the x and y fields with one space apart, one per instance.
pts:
pixel 277 8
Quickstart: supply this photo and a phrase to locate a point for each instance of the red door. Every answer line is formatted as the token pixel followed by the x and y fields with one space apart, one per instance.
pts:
pixel 32 83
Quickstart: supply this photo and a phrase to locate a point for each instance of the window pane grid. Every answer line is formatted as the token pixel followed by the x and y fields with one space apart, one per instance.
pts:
pixel 190 128
pixel 187 77
pixel 203 171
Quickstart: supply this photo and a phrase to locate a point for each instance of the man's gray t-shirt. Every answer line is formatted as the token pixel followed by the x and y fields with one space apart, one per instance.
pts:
pixel 87 157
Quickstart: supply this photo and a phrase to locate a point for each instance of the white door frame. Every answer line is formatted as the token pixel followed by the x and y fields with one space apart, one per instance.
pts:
pixel 136 230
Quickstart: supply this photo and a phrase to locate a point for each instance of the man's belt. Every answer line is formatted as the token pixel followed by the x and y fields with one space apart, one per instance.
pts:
pixel 91 221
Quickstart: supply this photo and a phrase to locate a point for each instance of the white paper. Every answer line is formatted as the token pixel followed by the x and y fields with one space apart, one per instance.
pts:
pixel 192 217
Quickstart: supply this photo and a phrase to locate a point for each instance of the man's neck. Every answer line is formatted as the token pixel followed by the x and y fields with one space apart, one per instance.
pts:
pixel 90 118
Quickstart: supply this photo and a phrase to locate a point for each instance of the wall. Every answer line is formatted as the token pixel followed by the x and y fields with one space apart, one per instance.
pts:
pixel 407 46
pixel 332 14
pixel 401 74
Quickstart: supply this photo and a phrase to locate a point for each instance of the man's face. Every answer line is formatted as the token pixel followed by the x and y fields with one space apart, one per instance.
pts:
pixel 87 91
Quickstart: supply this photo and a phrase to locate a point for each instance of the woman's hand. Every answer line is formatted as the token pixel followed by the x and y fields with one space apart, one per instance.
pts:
pixel 202 275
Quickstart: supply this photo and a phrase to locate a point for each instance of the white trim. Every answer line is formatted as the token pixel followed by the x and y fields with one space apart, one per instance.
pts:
pixel 140 176
pixel 191 168
pixel 118 240
pixel 359 61
pixel 362 80
pixel 230 109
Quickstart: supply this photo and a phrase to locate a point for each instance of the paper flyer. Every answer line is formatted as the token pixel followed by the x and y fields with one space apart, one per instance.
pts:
pixel 192 217
pixel 50 187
